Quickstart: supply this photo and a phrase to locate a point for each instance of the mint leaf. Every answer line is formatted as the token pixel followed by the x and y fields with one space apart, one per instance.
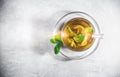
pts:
pixel 57 47
pixel 53 40
pixel 81 36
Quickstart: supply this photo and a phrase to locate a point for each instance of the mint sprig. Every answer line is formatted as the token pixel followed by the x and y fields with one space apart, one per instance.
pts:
pixel 58 43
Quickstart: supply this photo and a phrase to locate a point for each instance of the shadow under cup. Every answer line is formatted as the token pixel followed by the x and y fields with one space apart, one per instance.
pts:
pixel 78 53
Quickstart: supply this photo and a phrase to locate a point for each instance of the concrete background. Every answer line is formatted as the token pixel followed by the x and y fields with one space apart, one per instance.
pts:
pixel 25 30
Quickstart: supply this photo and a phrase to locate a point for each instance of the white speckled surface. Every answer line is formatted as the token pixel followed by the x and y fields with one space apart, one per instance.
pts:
pixel 25 29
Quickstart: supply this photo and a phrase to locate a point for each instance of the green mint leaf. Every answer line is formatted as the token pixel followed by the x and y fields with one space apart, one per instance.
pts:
pixel 57 48
pixel 53 40
pixel 77 39
pixel 81 37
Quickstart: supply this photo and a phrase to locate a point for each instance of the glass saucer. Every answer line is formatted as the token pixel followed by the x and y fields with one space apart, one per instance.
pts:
pixel 96 35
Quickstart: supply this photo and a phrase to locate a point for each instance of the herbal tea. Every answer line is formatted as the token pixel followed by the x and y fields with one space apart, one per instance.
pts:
pixel 77 34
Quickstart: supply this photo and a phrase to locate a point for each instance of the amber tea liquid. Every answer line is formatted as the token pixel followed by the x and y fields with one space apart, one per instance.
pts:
pixel 77 34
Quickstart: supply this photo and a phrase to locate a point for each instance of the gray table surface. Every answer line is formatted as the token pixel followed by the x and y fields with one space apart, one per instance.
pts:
pixel 25 30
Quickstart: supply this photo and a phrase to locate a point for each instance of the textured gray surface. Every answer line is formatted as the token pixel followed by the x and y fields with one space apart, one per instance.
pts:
pixel 25 29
